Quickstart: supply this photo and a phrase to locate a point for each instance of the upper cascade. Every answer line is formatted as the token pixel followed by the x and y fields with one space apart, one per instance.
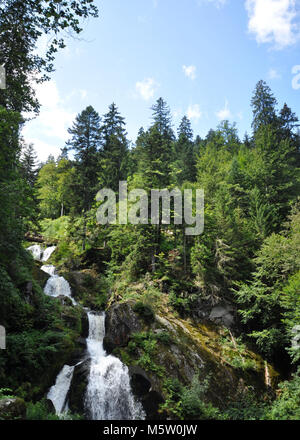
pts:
pixel 41 254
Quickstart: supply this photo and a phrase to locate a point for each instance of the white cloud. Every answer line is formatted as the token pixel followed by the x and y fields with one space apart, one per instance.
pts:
pixel 146 88
pixel 273 21
pixel 190 71
pixel 273 74
pixel 48 132
pixel 194 112
pixel 224 113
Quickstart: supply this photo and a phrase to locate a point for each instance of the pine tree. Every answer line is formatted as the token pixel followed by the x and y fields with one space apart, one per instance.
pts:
pixel 85 143
pixel 184 153
pixel 29 164
pixel 263 104
pixel 114 156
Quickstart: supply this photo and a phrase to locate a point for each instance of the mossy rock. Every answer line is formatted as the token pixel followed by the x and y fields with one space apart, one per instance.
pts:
pixel 193 349
pixel 87 288
pixel 39 275
pixel 12 409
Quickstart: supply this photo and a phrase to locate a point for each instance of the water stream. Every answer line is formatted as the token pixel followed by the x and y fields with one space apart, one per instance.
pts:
pixel 108 395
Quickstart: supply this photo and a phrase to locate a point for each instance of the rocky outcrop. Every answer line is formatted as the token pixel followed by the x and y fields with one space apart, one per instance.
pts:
pixel 180 350
pixel 121 322
pixel 12 409
pixel 87 288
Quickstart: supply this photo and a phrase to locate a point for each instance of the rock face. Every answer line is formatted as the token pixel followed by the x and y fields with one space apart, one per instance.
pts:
pixel 78 387
pixel 181 350
pixel 12 409
pixel 222 314
pixel 120 323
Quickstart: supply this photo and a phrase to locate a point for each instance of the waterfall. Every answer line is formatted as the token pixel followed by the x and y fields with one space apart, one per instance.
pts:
pixel 108 395
pixel 36 251
pixel 48 252
pixel 41 254
pixel 50 270
pixel 58 393
pixel 58 286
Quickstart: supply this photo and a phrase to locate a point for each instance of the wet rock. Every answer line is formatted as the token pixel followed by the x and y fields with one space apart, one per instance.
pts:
pixel 120 323
pixel 144 389
pixel 39 275
pixel 78 387
pixel 12 409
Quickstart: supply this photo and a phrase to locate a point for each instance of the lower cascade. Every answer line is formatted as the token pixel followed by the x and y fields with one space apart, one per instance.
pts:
pixel 108 395
pixel 58 393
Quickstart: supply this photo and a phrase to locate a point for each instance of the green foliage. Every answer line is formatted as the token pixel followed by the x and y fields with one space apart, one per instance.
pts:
pixel 287 404
pixel 39 411
pixel 144 311
pixel 189 402
pixel 277 261
pixel 6 393
pixel 147 342
pixel 246 406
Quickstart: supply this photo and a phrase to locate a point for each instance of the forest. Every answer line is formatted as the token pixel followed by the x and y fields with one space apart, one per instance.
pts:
pixel 231 294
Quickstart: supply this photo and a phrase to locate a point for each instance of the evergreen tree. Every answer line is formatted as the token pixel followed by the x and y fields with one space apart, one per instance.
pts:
pixel 29 164
pixel 184 152
pixel 114 156
pixel 85 143
pixel 263 106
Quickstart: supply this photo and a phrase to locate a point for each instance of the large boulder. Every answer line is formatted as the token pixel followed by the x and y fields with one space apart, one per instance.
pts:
pixel 121 321
pixel 12 409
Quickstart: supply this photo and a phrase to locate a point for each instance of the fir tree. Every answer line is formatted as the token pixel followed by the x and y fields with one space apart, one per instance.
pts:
pixel 114 156
pixel 263 105
pixel 85 143
pixel 29 164
pixel 184 152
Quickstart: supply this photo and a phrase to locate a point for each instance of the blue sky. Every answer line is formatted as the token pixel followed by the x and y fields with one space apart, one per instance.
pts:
pixel 203 57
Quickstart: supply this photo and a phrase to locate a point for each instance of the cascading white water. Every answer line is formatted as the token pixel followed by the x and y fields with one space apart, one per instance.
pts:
pixel 48 252
pixel 58 393
pixel 49 269
pixel 58 286
pixel 36 251
pixel 108 395
pixel 41 254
